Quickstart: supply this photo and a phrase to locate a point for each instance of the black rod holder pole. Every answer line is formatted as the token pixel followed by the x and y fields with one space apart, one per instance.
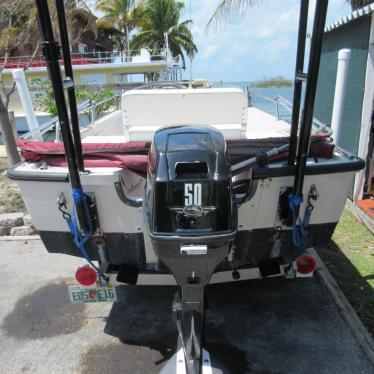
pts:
pixel 310 93
pixel 70 90
pixel 299 68
pixel 52 53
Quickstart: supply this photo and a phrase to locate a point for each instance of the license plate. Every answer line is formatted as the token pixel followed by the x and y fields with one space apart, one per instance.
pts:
pixel 79 295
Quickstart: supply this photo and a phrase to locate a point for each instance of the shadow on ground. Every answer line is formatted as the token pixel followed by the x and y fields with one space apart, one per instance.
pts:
pixel 271 326
pixel 44 313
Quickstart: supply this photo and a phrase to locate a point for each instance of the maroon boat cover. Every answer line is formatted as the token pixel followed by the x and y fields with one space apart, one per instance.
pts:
pixel 134 155
pixel 131 155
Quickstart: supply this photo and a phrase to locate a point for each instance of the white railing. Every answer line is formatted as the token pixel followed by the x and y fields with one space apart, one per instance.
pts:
pixel 94 110
pixel 280 101
pixel 87 58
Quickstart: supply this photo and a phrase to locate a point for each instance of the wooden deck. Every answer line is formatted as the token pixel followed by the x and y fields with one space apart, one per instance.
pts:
pixel 367 206
pixel 364 211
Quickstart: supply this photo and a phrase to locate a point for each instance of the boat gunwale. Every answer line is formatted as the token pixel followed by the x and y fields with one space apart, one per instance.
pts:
pixel 276 169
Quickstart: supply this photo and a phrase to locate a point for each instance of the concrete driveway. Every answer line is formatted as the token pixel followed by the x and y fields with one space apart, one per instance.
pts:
pixel 268 326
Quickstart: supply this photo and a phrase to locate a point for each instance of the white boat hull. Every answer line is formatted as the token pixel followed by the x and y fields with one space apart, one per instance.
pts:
pixel 261 234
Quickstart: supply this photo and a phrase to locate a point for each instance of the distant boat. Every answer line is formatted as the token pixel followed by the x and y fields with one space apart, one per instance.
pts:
pixel 118 69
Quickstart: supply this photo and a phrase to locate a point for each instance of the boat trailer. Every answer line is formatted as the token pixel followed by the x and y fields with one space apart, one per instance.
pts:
pixel 192 244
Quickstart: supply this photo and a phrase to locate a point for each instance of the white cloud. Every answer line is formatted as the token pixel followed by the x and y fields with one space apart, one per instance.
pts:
pixel 209 51
pixel 261 43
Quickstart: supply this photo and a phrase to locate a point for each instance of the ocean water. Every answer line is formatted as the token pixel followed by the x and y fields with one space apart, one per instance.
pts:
pixel 258 100
pixel 263 98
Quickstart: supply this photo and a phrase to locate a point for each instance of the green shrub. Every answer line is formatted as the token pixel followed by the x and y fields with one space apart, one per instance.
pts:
pixel 272 82
pixel 44 100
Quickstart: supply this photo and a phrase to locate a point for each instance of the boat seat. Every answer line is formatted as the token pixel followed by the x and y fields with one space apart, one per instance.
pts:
pixel 146 133
pixel 145 111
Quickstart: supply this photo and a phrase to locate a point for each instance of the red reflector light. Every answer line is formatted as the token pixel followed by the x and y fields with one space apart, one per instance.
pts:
pixel 86 275
pixel 306 264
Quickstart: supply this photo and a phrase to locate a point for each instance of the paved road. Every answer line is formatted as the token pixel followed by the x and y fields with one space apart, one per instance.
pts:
pixel 268 327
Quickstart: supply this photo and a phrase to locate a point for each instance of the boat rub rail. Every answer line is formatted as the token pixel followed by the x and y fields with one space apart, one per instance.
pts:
pixel 278 169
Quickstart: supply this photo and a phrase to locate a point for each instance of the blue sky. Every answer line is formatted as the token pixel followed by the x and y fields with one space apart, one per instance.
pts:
pixel 261 43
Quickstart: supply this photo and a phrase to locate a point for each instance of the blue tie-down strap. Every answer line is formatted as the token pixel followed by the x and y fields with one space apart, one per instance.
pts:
pixel 79 239
pixel 299 229
pixel 295 201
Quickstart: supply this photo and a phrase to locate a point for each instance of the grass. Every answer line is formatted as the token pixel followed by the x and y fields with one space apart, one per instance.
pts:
pixel 10 196
pixel 350 259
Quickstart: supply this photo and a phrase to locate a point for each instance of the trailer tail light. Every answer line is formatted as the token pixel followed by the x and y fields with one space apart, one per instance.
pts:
pixel 306 264
pixel 86 275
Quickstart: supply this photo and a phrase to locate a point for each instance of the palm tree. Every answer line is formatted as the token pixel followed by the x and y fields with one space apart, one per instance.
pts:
pixel 228 9
pixel 161 17
pixel 124 15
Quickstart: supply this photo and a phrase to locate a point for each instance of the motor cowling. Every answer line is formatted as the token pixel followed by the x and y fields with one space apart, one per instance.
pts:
pixel 189 191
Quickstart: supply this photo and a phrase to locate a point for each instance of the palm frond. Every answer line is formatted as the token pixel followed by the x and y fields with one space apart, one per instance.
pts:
pixel 106 22
pixel 229 10
pixel 143 39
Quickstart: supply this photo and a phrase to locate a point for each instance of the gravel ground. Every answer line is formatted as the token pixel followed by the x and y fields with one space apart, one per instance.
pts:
pixel 10 197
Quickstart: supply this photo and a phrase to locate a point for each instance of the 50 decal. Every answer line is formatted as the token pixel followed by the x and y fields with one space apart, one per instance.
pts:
pixel 192 194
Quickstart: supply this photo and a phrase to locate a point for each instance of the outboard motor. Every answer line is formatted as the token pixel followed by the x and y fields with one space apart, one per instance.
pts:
pixel 192 221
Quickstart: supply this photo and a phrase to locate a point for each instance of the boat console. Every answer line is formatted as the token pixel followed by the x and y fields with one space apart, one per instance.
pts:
pixel 145 111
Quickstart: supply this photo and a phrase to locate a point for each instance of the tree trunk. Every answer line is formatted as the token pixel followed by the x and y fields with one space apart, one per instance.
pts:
pixel 13 123
pixel 8 135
